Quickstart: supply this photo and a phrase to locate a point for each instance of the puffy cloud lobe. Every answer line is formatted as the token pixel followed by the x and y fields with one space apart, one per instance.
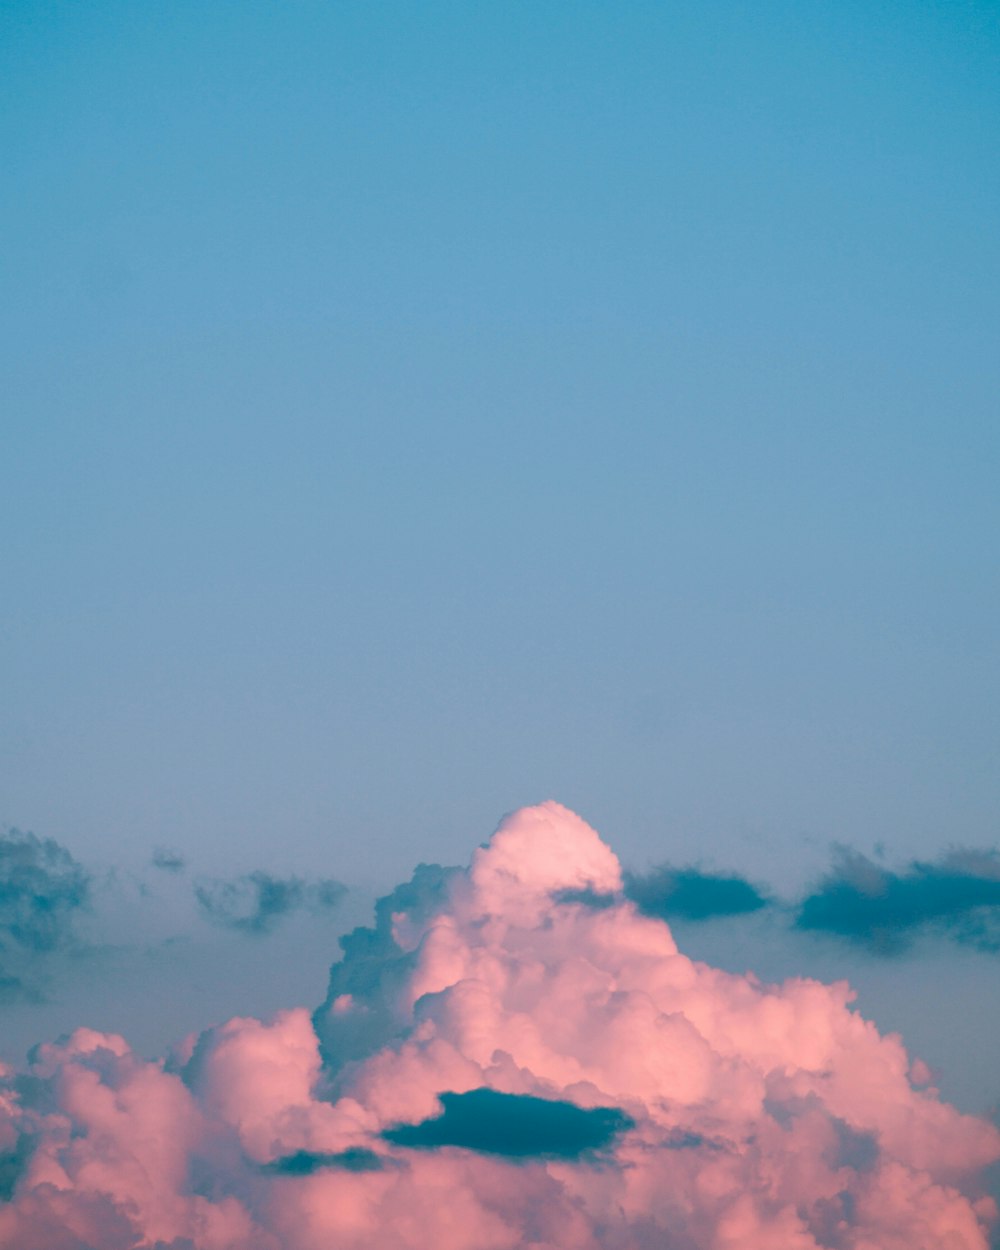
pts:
pixel 958 895
pixel 42 890
pixel 256 902
pixel 566 1078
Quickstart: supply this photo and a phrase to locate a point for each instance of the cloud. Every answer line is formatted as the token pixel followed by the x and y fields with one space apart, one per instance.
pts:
pixel 306 1162
pixel 501 1065
pixel 256 902
pixel 42 890
pixel 168 860
pixel 41 887
pixel 690 894
pixel 514 1125
pixel 957 895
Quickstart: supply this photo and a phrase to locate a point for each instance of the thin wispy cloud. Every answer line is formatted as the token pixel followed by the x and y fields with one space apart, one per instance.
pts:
pixel 168 860
pixel 257 902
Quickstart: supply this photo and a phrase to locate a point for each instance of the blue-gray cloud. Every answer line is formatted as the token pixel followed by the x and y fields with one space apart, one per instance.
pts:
pixel 690 894
pixel 168 860
pixel 306 1162
pixel 588 896
pixel 957 895
pixel 12 1165
pixel 257 901
pixel 42 890
pixel 517 1126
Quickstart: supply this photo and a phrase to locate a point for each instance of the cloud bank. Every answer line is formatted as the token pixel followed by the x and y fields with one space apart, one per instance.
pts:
pixel 501 1065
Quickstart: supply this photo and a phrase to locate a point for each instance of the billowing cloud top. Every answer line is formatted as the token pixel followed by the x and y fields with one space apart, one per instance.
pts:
pixel 501 1065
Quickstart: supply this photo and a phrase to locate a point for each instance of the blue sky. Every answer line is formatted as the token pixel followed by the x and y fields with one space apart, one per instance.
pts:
pixel 414 411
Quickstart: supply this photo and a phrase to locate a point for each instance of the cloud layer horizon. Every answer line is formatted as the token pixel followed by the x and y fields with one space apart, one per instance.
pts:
pixel 514 1055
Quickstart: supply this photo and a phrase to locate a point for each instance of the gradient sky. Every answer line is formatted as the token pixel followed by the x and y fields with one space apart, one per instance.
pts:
pixel 412 411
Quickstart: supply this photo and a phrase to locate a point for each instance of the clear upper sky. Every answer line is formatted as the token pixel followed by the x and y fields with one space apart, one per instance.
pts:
pixel 411 411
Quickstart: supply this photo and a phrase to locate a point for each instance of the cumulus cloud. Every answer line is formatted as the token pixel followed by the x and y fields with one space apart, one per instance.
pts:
pixel 42 890
pixel 256 902
pixel 957 895
pixel 691 894
pixel 500 1065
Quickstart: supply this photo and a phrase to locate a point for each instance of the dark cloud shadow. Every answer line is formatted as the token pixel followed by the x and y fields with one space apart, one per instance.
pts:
pixel 517 1126
pixel 257 902
pixel 690 894
pixel 957 895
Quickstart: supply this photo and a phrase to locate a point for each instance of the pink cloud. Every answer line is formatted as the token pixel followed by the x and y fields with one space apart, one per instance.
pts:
pixel 745 1116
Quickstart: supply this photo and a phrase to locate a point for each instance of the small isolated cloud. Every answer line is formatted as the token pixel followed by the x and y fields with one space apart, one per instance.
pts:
pixel 690 894
pixel 256 902
pixel 168 860
pixel 957 895
pixel 517 1126
pixel 42 890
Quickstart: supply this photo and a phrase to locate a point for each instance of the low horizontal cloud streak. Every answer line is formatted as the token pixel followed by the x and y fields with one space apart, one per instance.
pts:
pixel 692 894
pixel 957 895
pixel 516 1126
pixel 306 1162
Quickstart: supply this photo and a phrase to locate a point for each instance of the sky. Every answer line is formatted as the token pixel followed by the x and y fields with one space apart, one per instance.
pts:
pixel 411 413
